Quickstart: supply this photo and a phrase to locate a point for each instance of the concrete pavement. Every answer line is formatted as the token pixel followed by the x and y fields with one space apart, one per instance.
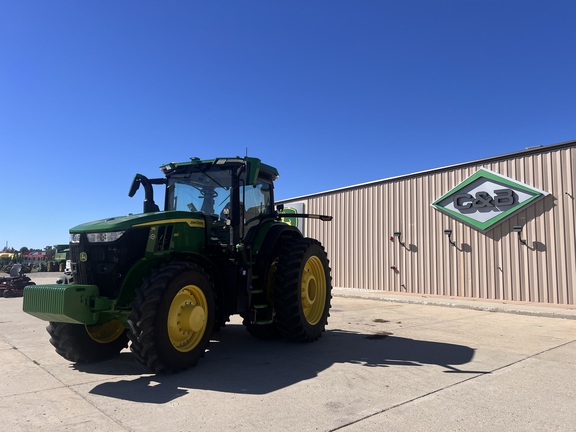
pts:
pixel 393 364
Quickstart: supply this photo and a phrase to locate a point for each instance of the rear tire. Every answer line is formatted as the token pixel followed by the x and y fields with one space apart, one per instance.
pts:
pixel 172 318
pixel 80 343
pixel 302 290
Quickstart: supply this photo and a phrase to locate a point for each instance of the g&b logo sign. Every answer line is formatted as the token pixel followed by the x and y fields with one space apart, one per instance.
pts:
pixel 486 199
pixel 483 200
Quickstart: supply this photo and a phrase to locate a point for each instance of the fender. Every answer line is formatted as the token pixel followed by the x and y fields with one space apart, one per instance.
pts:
pixel 266 241
pixel 141 269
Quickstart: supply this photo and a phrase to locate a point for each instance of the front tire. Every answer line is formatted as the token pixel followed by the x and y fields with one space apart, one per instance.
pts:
pixel 80 343
pixel 172 318
pixel 302 290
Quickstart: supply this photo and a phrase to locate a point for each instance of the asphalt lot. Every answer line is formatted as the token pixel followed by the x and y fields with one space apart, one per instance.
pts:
pixel 383 364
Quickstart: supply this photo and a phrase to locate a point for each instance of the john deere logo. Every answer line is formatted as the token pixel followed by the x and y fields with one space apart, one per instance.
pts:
pixel 486 199
pixel 292 221
pixel 83 256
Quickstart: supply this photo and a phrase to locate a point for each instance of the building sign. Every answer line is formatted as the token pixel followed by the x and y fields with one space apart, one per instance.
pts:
pixel 487 198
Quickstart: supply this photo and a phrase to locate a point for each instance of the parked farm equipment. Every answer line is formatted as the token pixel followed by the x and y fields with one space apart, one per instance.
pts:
pixel 13 285
pixel 163 281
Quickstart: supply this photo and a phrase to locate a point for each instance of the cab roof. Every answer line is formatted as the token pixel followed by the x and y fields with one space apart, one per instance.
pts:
pixel 254 166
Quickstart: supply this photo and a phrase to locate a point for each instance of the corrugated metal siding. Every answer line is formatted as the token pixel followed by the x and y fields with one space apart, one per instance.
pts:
pixel 491 265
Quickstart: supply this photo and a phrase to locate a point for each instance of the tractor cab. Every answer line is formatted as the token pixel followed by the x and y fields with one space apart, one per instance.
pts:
pixel 232 194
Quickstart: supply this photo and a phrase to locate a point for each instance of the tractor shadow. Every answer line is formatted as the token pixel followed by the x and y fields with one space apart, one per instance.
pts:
pixel 239 363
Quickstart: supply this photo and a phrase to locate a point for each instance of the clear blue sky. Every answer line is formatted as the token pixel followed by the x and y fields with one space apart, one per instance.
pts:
pixel 331 92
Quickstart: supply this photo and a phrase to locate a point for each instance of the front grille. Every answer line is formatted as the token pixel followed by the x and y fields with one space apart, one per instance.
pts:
pixel 106 264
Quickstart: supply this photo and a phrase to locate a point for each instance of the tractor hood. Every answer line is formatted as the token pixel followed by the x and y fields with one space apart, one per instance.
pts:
pixel 124 223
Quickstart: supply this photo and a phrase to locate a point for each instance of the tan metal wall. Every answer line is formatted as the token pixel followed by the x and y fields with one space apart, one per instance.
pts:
pixel 491 265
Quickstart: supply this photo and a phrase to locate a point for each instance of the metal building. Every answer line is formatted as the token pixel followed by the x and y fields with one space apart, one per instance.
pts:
pixel 500 228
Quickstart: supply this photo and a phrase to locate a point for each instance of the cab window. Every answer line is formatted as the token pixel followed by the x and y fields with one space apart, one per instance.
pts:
pixel 257 200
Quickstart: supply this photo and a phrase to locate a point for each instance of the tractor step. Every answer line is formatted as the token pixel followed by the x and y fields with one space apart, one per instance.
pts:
pixel 261 314
pixel 264 322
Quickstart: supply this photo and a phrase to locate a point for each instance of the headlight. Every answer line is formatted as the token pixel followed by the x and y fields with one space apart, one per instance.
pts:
pixel 104 237
pixel 74 238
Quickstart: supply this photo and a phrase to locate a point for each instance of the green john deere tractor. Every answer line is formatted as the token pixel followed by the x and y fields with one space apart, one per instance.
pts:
pixel 163 281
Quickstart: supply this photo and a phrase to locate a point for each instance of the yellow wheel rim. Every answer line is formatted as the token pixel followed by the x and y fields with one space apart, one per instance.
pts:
pixel 313 290
pixel 187 318
pixel 105 333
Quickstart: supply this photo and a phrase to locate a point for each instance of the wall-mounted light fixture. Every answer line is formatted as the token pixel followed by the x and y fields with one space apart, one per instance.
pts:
pixel 448 232
pixel 518 229
pixel 399 235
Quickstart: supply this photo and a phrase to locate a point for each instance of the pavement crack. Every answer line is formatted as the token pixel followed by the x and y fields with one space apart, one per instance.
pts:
pixel 481 374
pixel 407 402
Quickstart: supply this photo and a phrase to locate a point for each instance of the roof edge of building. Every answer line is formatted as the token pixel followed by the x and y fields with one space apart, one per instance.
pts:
pixel 526 151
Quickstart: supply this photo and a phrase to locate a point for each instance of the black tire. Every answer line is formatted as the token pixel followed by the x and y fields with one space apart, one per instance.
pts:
pixel 302 290
pixel 79 343
pixel 9 293
pixel 172 318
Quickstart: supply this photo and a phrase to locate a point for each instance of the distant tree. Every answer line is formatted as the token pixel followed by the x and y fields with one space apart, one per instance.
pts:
pixel 49 251
pixel 24 250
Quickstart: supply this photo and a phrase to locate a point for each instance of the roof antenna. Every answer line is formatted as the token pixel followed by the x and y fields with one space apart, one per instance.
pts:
pixel 246 151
